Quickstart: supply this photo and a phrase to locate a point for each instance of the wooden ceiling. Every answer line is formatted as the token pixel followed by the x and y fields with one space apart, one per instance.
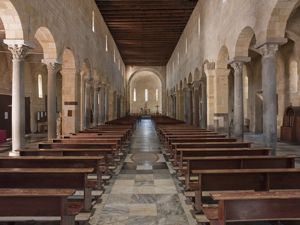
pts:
pixel 146 31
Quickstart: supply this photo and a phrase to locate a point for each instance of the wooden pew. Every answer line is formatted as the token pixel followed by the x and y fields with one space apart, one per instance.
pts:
pixel 72 178
pixel 236 162
pixel 96 136
pixel 126 133
pixel 239 207
pixel 95 162
pixel 207 145
pixel 161 133
pixel 199 140
pixel 114 142
pixel 181 153
pixel 77 145
pixel 244 179
pixel 112 146
pixel 16 203
pixel 108 154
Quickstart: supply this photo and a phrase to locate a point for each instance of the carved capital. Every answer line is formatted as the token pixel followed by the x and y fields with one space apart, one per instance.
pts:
pixel 18 51
pixel 53 66
pixel 238 67
pixel 269 50
pixel 196 85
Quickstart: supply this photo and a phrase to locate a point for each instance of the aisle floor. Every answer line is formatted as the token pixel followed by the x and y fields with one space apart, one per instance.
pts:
pixel 144 191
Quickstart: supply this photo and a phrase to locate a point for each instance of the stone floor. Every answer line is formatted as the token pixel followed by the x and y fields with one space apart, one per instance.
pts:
pixel 144 191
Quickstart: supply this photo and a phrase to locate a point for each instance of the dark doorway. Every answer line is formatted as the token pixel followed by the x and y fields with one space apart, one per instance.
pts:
pixel 5 114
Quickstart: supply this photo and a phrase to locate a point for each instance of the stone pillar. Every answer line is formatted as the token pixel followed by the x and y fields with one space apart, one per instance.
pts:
pixel 87 101
pixel 102 94
pixel 82 101
pixel 53 67
pixel 204 100
pixel 174 107
pixel 185 106
pixel 238 118
pixel 100 105
pixel 269 94
pixel 107 103
pixel 179 105
pixel 196 103
pixel 188 104
pixel 19 52
pixel 96 105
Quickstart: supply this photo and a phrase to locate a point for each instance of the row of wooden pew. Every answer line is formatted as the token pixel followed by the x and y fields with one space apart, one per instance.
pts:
pixel 227 180
pixel 62 178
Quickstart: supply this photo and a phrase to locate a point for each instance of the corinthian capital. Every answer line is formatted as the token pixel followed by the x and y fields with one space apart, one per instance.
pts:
pixel 53 66
pixel 269 50
pixel 238 67
pixel 18 52
pixel 18 48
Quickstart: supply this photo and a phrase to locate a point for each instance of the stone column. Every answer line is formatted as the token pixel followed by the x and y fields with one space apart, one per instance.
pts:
pixel 185 116
pixel 102 94
pixel 203 110
pixel 188 104
pixel 100 105
pixel 269 94
pixel 238 119
pixel 196 103
pixel 96 105
pixel 53 67
pixel 179 105
pixel 174 107
pixel 19 52
pixel 87 101
pixel 82 102
pixel 107 103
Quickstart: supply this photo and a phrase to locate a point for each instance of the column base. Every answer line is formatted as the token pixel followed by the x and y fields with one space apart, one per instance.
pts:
pixel 13 153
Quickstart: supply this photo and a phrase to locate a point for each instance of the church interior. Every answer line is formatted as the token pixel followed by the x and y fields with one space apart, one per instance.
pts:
pixel 155 112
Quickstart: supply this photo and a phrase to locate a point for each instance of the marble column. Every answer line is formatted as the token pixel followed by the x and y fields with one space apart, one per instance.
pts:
pixel 185 117
pixel 53 68
pixel 269 85
pixel 87 101
pixel 107 103
pixel 203 111
pixel 102 104
pixel 188 104
pixel 196 103
pixel 174 107
pixel 82 102
pixel 96 105
pixel 179 104
pixel 238 119
pixel 19 52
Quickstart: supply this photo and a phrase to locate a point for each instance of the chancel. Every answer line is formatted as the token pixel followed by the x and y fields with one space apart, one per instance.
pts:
pixel 155 112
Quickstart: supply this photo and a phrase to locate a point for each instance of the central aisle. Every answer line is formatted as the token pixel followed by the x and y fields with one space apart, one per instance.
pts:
pixel 144 191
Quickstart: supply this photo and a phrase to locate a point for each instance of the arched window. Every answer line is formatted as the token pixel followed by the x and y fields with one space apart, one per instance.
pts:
pixel 186 45
pixel 40 86
pixel 156 94
pixel 134 95
pixel 146 95
pixel 93 21
pixel 106 43
pixel 114 55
